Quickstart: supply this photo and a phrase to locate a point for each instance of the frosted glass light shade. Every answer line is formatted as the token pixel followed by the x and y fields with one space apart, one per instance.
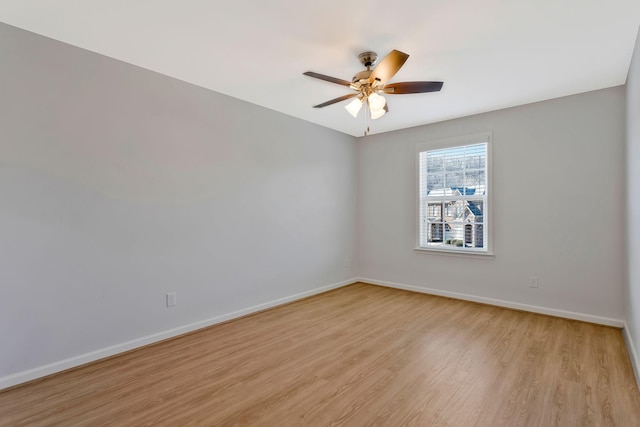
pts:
pixel 376 114
pixel 354 107
pixel 376 102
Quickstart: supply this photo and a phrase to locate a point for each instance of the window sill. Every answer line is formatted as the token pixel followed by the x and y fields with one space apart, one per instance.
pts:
pixel 464 254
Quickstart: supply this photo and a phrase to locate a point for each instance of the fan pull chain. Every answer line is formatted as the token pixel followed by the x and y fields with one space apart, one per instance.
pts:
pixel 367 113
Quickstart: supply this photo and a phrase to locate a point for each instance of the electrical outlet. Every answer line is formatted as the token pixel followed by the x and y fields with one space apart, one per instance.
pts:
pixel 171 299
pixel 533 281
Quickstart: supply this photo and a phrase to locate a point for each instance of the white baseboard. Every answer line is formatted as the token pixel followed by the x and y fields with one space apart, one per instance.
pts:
pixel 501 303
pixel 72 362
pixel 633 354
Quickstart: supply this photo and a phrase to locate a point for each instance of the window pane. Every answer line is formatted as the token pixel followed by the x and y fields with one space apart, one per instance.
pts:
pixel 476 157
pixel 435 161
pixel 434 212
pixel 448 211
pixel 435 232
pixel 455 182
pixel 474 211
pixel 474 182
pixel 435 185
pixel 458 208
pixel 454 234
pixel 454 159
pixel 473 236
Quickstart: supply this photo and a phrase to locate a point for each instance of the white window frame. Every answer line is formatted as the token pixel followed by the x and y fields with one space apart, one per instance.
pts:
pixel 478 138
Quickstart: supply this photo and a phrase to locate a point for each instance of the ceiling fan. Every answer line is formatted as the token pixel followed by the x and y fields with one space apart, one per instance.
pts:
pixel 369 83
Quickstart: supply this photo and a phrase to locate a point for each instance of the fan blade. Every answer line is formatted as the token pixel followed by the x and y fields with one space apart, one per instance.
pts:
pixel 327 78
pixel 389 66
pixel 412 87
pixel 333 101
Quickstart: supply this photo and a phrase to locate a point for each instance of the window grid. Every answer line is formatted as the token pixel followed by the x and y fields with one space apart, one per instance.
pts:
pixel 453 198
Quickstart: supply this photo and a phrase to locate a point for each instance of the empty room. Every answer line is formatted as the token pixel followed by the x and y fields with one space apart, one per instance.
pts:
pixel 345 213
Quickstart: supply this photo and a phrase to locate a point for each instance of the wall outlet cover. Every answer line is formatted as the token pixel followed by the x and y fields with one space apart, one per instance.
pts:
pixel 171 299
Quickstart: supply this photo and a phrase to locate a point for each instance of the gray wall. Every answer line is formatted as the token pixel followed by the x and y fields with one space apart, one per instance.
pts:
pixel 558 207
pixel 118 184
pixel 633 206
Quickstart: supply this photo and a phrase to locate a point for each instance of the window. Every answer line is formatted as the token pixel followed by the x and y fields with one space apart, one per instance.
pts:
pixel 453 190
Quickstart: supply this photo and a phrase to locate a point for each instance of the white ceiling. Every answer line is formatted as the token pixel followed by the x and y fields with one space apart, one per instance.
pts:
pixel 491 54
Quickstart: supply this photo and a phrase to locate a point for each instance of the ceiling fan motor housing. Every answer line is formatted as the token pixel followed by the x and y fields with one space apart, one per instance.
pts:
pixel 362 75
pixel 368 58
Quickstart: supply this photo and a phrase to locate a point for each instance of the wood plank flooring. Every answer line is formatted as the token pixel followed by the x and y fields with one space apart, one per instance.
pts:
pixel 361 355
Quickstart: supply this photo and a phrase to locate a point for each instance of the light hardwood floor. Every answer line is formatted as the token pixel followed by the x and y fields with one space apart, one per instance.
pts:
pixel 362 355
